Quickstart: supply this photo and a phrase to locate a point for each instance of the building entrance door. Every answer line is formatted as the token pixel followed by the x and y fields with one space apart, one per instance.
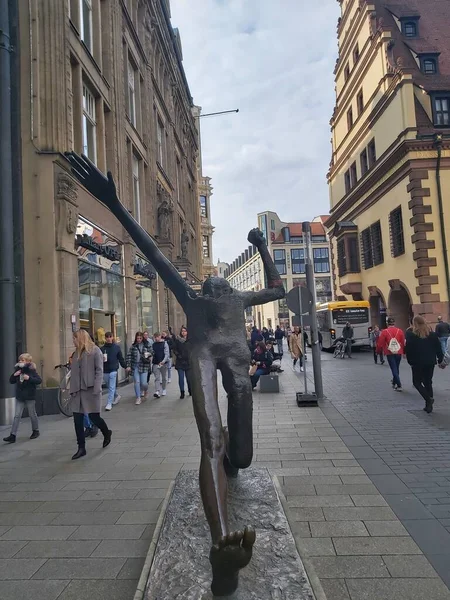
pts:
pixel 99 323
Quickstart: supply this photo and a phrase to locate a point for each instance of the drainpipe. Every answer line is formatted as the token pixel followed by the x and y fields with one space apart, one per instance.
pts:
pixel 7 276
pixel 438 144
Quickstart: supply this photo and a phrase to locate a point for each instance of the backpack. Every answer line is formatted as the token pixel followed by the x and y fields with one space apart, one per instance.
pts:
pixel 394 345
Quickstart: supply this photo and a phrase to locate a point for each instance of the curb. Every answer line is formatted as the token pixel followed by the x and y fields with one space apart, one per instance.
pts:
pixel 142 584
pixel 314 580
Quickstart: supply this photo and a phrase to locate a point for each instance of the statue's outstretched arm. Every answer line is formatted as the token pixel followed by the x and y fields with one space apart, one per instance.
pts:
pixel 275 289
pixel 104 189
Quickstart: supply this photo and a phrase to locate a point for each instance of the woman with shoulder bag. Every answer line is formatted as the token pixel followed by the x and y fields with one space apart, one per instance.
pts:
pixel 138 363
pixel 86 389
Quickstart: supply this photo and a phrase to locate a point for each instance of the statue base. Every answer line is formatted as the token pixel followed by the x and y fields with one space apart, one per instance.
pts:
pixel 180 566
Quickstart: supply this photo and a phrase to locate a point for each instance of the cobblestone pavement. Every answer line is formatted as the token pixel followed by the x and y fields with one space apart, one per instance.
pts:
pixel 75 529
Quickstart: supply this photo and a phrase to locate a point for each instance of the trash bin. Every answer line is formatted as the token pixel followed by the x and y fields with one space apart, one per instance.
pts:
pixel 7 410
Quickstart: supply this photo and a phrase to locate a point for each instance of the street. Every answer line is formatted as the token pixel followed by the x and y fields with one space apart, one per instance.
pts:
pixel 366 477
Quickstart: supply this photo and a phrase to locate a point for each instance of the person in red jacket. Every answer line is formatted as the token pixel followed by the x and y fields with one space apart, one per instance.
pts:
pixel 391 343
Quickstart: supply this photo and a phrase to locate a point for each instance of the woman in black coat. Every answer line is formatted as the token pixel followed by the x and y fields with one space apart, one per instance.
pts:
pixel 180 348
pixel 423 349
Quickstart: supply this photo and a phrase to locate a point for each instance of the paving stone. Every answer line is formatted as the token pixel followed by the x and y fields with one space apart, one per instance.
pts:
pixel 294 490
pixel 368 500
pixel 132 569
pixel 7 507
pixel 325 480
pixel 9 549
pixel 359 513
pixel 335 589
pixel 306 501
pixel 130 505
pixel 10 519
pixel 351 489
pixel 337 567
pixel 385 528
pixel 104 590
pixel 15 568
pixel 409 566
pixel 80 568
pixel 55 507
pixel 389 484
pixel 85 518
pixel 57 549
pixel 30 532
pixel 375 546
pixel 300 528
pixel 407 507
pixel 431 536
pixel 141 484
pixel 306 514
pixel 397 589
pixel 38 590
pixel 314 546
pixel 338 529
pixel 108 532
pixel 121 548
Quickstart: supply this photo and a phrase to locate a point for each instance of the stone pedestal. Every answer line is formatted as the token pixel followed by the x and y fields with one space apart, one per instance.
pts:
pixel 180 567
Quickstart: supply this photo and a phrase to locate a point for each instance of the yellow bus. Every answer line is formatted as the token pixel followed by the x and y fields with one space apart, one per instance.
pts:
pixel 333 316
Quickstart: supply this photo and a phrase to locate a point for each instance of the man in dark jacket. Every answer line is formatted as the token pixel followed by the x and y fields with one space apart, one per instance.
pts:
pixel 112 356
pixel 255 337
pixel 279 335
pixel 347 334
pixel 443 333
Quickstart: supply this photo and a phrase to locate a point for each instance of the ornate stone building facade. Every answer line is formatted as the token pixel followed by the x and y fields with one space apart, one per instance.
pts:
pixel 103 77
pixel 390 169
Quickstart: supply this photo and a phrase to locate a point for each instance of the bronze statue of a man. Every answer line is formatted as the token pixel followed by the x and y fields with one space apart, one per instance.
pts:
pixel 217 339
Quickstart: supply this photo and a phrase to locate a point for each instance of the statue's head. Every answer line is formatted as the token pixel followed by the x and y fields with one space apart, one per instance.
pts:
pixel 216 287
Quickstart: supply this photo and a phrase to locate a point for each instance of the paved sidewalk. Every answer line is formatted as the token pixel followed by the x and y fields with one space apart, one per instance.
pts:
pixel 75 529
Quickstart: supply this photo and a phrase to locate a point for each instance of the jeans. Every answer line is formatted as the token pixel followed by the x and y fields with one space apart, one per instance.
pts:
pixel 140 382
pixel 87 422
pixel 296 359
pixel 181 374
pixel 110 380
pixel 423 381
pixel 20 407
pixel 348 347
pixel 169 369
pixel 394 361
pixel 280 346
pixel 255 378
pixel 160 373
pixel 78 421
pixel 444 341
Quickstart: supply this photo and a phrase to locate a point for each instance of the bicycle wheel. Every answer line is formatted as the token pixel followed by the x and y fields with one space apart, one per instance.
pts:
pixel 64 396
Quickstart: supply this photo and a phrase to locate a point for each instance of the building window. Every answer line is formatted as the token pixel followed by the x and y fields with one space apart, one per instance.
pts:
pixel 347 72
pixel 89 125
pixel 321 260
pixel 364 162
pixel 136 188
pixel 356 54
pixel 409 28
pixel 86 23
pixel 205 246
pixel 442 111
pixel 178 178
pixel 318 238
pixel 350 119
pixel 360 102
pixel 353 175
pixel 160 139
pixel 348 181
pixel 279 258
pixel 353 255
pixel 203 207
pixel 132 72
pixel 372 246
pixel 341 258
pixel 372 153
pixel 396 231
pixel 429 66
pixel 298 260
pixel 272 224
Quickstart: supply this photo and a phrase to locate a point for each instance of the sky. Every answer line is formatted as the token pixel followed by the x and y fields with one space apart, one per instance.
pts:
pixel 273 60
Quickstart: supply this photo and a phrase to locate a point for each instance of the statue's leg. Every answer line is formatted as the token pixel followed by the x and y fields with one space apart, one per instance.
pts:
pixel 236 383
pixel 230 552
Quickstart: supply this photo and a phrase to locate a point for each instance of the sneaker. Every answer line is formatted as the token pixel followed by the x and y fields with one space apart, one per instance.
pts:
pixel 156 395
pixel 163 393
pixel 142 394
pixel 10 439
pixel 169 380
pixel 35 434
pixel 108 407
pixel 302 369
pixel 116 399
pixel 138 401
pixel 398 388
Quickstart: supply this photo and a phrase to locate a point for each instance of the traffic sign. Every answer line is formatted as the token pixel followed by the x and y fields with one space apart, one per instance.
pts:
pixel 293 300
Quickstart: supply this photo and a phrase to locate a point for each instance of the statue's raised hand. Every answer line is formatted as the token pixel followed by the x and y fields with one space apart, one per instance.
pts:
pixel 93 180
pixel 256 237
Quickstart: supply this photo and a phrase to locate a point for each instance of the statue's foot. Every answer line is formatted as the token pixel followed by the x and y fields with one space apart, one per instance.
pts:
pixel 230 471
pixel 232 553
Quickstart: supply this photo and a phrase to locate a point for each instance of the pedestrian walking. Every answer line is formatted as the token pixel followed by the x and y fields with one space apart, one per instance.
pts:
pixel 296 347
pixel 166 336
pixel 181 353
pixel 26 379
pixel 391 342
pixel 279 335
pixel 139 363
pixel 262 360
pixel 86 389
pixel 374 335
pixel 347 335
pixel 159 364
pixel 443 332
pixel 112 357
pixel 148 343
pixel 423 349
pixel 265 333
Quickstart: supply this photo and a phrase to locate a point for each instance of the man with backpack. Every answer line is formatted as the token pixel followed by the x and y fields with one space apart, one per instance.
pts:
pixel 391 343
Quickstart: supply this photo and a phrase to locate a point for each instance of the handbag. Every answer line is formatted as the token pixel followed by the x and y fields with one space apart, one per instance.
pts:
pixel 252 370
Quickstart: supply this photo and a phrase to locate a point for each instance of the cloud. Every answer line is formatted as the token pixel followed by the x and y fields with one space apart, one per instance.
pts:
pixel 274 61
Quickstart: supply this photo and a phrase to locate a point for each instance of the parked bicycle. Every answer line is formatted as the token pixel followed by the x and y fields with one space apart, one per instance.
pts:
pixel 64 390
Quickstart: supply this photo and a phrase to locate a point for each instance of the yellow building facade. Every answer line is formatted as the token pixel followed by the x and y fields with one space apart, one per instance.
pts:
pixel 389 176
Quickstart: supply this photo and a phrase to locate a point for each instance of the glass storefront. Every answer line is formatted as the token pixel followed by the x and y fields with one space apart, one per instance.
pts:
pixel 101 283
